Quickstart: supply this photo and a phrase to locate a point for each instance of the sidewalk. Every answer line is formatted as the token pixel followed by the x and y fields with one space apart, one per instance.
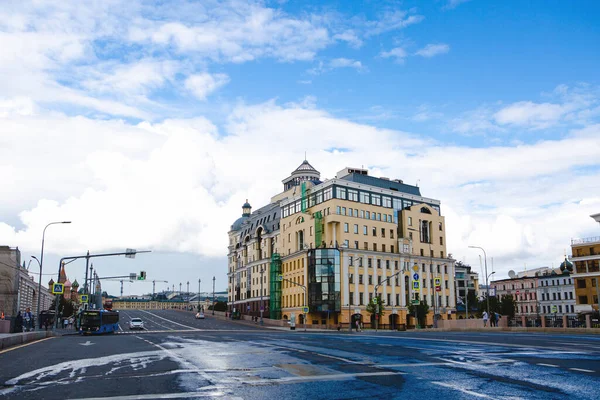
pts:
pixel 14 339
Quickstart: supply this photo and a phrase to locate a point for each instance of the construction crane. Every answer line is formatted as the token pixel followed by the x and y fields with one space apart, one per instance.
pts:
pixel 154 287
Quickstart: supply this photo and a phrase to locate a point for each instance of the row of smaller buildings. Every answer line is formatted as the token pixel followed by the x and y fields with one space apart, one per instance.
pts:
pixel 571 290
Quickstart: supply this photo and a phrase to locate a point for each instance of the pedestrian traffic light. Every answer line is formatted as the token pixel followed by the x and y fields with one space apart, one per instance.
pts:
pixel 142 276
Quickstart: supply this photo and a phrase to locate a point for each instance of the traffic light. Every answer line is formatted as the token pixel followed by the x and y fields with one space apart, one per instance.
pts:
pixel 142 276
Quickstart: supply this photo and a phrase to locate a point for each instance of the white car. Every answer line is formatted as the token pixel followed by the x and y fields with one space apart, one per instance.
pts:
pixel 200 316
pixel 136 323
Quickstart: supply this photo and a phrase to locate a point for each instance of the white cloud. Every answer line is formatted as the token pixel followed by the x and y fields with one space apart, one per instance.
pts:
pixel 531 114
pixel 350 37
pixel 398 53
pixel 391 21
pixel 454 3
pixel 346 63
pixel 201 85
pixel 432 50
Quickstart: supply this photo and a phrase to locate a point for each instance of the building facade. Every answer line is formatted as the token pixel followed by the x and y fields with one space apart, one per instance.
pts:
pixel 466 283
pixel 18 289
pixel 523 289
pixel 556 292
pixel 586 259
pixel 336 244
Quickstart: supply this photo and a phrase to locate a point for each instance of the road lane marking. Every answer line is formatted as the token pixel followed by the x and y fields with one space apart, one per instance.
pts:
pixel 23 345
pixel 547 365
pixel 168 320
pixel 313 378
pixel 463 390
pixel 211 393
pixel 581 370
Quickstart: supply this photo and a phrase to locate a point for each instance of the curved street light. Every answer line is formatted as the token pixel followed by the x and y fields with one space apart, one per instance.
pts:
pixel 41 263
pixel 486 276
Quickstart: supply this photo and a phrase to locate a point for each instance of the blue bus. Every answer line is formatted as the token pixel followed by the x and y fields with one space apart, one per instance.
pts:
pixel 96 322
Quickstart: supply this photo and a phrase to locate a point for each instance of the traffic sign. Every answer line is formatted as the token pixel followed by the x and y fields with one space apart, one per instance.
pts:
pixel 416 268
pixel 248 308
pixel 438 284
pixel 415 276
pixel 415 302
pixel 517 292
pixel 554 309
pixel 416 286
pixel 305 310
pixel 280 277
pixel 58 288
pixel 84 298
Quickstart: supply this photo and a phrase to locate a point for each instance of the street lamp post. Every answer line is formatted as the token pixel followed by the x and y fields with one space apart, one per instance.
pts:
pixel 262 271
pixel 213 302
pixel 199 282
pixel 486 276
pixel 41 262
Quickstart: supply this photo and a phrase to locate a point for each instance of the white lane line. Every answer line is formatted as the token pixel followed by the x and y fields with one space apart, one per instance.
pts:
pixel 547 365
pixel 313 378
pixel 581 370
pixel 183 395
pixel 463 390
pixel 168 320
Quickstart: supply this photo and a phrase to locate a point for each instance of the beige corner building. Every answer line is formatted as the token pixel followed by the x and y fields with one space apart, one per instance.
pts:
pixel 326 248
pixel 586 257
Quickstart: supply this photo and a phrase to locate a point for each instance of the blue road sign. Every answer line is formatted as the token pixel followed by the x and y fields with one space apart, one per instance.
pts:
pixel 416 276
pixel 58 288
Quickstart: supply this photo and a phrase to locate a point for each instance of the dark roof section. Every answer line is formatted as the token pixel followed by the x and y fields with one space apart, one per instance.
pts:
pixel 305 166
pixel 382 183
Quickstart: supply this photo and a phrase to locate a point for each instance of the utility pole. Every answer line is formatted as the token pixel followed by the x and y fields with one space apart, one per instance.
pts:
pixel 213 302
pixel 199 282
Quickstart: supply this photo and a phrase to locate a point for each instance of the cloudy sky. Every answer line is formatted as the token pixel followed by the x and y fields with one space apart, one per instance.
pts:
pixel 148 124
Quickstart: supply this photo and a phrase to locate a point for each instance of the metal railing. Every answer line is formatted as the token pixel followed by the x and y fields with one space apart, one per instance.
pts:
pixel 585 240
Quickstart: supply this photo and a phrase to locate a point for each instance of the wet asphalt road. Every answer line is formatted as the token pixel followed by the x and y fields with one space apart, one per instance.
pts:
pixel 178 356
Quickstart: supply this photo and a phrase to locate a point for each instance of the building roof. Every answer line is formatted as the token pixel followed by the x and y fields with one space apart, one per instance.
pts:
pixel 75 284
pixel 305 166
pixel 382 183
pixel 566 266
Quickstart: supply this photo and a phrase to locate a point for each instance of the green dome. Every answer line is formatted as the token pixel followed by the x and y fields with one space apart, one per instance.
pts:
pixel 566 266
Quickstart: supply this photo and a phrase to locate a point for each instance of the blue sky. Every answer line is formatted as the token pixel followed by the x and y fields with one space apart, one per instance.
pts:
pixel 150 123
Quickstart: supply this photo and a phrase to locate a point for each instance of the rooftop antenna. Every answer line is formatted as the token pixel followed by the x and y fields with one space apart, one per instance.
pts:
pixel 305 156
pixel 418 180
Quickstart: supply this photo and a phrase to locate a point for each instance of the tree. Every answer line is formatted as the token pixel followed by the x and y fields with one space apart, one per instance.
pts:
pixel 508 306
pixel 421 310
pixel 65 306
pixel 372 307
pixel 219 306
pixel 472 300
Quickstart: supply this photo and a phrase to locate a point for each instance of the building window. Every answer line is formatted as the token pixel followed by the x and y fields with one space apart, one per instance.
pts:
pixel 391 233
pixel 379 279
pixel 378 216
pixel 409 221
pixel 338 210
pixel 350 277
pixel 583 300
pixel 355 228
pixel 351 213
pixel 346 243
pixel 387 264
pixel 367 215
pixel 362 213
pixel 360 279
pixel 366 246
pixel 387 202
pixel 356 244
pixel 369 262
pixel 364 198
pixel 441 241
pixel 374 246
pixel 370 279
pixel 383 248
pixel 382 232
pixel 376 200
pixel 378 263
pixel 360 262
pixel 343 210
pixel 340 193
pixel 581 285
pixel 396 266
pixel 397 298
pixel 351 298
pixel 361 300
pixel 352 195
pixel 392 248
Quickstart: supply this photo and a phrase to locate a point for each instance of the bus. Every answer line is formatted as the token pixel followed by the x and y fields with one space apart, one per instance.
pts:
pixel 95 322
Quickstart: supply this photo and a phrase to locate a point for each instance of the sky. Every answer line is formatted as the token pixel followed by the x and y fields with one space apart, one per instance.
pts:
pixel 149 123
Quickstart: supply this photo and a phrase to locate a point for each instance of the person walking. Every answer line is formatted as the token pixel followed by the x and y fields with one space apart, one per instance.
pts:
pixel 19 323
pixel 357 326
pixel 28 319
pixel 492 319
pixel 485 319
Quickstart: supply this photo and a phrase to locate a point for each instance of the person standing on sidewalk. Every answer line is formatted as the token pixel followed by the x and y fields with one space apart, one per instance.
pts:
pixel 28 319
pixel 485 319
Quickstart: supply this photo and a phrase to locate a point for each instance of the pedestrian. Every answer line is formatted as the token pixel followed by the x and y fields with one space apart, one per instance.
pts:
pixel 28 319
pixel 66 323
pixel 2 316
pixel 497 318
pixel 19 323
pixel 493 319
pixel 485 319
pixel 357 326
pixel 339 328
